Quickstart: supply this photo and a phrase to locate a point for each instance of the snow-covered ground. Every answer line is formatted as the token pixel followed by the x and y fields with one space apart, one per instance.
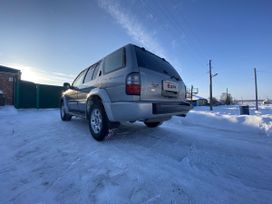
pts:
pixel 207 157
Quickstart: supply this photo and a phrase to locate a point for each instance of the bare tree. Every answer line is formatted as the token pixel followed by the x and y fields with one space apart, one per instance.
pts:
pixel 226 98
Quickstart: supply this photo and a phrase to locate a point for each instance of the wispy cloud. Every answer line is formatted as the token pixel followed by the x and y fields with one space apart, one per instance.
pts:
pixel 133 26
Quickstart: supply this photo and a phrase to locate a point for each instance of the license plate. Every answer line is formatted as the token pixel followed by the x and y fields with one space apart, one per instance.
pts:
pixel 170 86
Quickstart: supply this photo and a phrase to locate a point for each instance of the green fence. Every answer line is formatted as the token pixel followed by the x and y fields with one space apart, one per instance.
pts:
pixel 31 95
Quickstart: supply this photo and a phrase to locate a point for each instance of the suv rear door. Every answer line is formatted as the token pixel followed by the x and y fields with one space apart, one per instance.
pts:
pixel 159 80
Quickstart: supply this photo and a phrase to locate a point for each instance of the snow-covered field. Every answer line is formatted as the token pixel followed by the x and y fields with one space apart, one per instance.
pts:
pixel 207 157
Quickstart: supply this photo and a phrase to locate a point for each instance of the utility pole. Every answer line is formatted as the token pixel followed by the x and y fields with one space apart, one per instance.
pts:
pixel 227 96
pixel 256 89
pixel 210 73
pixel 211 76
pixel 192 94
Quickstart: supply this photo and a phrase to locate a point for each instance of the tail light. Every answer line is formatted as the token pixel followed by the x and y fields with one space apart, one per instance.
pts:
pixel 133 84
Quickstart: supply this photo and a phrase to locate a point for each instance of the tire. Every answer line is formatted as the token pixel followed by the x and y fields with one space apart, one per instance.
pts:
pixel 98 121
pixel 152 124
pixel 64 116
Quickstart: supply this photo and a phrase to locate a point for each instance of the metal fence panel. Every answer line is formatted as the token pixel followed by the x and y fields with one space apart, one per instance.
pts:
pixel 31 95
pixel 48 96
pixel 25 94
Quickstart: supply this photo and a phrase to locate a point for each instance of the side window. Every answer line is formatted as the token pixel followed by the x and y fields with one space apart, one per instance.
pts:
pixel 97 67
pixel 114 61
pixel 79 80
pixel 89 75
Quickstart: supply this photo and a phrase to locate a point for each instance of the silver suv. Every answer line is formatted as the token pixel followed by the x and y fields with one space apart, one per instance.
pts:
pixel 127 85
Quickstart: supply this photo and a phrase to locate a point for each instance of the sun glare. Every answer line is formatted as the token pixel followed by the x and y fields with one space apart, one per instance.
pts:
pixel 28 73
pixel 41 76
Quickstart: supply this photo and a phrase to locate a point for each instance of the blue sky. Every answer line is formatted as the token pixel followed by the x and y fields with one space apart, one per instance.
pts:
pixel 52 41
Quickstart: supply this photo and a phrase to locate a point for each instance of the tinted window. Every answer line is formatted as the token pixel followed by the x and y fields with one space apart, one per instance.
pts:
pixel 79 80
pixel 114 61
pixel 149 60
pixel 89 75
pixel 96 70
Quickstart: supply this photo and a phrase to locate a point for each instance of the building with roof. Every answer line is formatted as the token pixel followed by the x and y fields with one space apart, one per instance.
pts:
pixel 8 78
pixel 198 101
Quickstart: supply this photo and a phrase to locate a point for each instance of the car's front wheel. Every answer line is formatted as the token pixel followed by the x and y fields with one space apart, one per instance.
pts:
pixel 64 116
pixel 152 124
pixel 98 121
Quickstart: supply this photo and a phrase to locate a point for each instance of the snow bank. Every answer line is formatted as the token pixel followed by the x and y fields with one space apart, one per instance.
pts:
pixel 7 110
pixel 228 118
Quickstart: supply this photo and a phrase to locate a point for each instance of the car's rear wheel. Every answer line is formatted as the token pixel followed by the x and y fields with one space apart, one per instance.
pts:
pixel 98 121
pixel 64 116
pixel 152 124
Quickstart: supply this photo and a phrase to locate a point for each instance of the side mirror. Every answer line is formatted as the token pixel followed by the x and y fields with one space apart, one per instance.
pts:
pixel 66 85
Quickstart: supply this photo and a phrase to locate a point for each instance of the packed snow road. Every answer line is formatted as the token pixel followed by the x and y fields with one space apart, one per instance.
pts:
pixel 45 160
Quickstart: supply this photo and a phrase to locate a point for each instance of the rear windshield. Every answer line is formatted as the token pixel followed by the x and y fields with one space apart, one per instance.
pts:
pixel 151 61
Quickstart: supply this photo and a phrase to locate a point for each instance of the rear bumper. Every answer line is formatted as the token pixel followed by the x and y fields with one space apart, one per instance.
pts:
pixel 131 111
pixel 165 108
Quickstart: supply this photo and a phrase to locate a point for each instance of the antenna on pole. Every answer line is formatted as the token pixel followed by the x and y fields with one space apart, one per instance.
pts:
pixel 256 89
pixel 211 76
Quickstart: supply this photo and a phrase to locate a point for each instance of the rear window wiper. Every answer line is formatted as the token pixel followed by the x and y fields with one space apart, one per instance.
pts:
pixel 171 76
pixel 174 77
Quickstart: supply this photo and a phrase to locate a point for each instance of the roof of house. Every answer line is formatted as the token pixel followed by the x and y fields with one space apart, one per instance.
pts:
pixel 198 98
pixel 9 70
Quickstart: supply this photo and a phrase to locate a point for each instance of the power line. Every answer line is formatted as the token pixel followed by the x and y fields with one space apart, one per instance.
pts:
pixel 263 71
pixel 176 27
pixel 195 37
pixel 194 41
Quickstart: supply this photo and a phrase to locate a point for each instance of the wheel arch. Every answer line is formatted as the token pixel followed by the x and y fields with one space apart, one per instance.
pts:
pixel 103 97
pixel 64 101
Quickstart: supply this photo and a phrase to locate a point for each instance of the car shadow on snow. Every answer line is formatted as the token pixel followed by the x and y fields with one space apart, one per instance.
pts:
pixel 161 140
pixel 137 134
pixel 126 131
pixel 130 130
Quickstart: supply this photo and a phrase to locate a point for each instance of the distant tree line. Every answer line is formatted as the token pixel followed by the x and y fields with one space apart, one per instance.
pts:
pixel 225 99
